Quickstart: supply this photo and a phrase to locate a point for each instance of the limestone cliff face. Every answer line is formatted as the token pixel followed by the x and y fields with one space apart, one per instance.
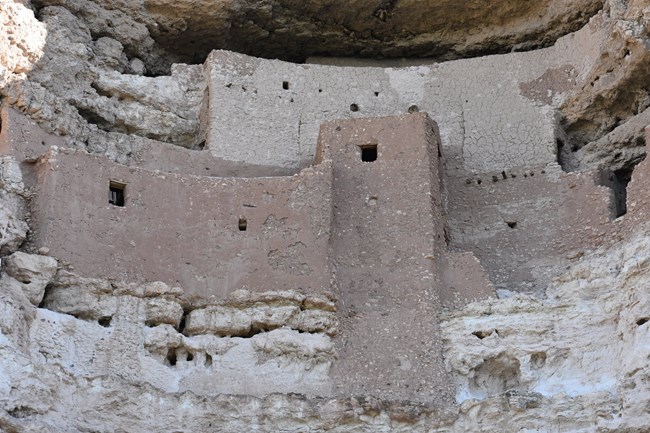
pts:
pixel 568 352
pixel 292 30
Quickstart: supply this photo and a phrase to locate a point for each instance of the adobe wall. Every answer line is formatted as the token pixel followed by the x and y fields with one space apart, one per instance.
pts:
pixel 481 105
pixel 253 118
pixel 184 230
pixel 387 241
pixel 523 224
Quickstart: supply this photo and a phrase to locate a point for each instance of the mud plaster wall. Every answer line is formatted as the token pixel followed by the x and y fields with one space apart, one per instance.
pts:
pixel 490 110
pixel 185 230
pixel 386 240
pixel 523 223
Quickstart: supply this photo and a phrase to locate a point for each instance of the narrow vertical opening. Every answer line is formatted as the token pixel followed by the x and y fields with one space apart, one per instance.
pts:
pixel 116 193
pixel 621 178
pixel 285 85
pixel 368 152
pixel 171 357
pixel 243 224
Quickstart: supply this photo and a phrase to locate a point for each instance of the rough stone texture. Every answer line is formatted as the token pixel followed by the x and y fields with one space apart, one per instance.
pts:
pixel 21 42
pixel 480 104
pixel 28 141
pixel 13 228
pixel 292 30
pixel 278 233
pixel 538 349
pixel 532 347
pixel 616 85
pixel 32 271
pixel 143 324
pixel 84 81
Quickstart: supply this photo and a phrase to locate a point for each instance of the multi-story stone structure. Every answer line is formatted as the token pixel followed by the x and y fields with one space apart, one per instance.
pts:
pixel 251 244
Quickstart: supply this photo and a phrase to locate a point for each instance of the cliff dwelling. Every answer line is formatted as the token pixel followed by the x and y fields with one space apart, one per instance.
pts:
pixel 282 217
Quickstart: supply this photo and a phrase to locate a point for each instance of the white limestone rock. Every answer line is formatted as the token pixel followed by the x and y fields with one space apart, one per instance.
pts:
pixel 34 272
pixel 161 310
pixel 13 230
pixel 221 321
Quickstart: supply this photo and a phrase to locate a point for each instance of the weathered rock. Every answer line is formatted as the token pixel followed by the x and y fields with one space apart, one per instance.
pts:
pixel 293 30
pixel 21 41
pixel 34 272
pixel 13 228
pixel 617 85
pixel 12 231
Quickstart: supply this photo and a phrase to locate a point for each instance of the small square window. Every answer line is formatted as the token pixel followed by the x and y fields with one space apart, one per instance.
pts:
pixel 368 152
pixel 243 224
pixel 116 193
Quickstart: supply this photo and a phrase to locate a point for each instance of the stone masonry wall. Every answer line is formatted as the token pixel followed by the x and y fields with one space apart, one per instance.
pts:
pixel 387 241
pixel 495 112
pixel 524 224
pixel 184 230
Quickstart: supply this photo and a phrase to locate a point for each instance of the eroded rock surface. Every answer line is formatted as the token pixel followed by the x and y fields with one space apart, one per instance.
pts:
pixel 292 30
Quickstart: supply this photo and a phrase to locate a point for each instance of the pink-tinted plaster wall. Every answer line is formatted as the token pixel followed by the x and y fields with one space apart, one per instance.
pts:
pixel 185 230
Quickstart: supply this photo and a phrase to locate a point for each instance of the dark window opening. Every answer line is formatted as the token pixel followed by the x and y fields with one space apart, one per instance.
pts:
pixel 285 85
pixel 190 357
pixel 243 224
pixel 116 193
pixel 171 357
pixel 369 153
pixel 105 321
pixel 564 157
pixel 354 107
pixel 414 109
pixel 512 224
pixel 619 184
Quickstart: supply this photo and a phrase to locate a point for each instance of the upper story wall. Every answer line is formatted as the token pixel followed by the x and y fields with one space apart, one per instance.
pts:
pixel 495 112
pixel 209 235
pixel 24 139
